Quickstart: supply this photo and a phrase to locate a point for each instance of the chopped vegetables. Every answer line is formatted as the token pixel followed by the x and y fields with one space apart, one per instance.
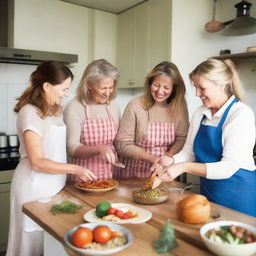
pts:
pixel 167 240
pixel 231 235
pixel 65 207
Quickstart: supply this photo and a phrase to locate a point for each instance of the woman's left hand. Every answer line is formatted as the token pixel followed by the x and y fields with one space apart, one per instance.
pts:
pixel 171 172
pixel 162 162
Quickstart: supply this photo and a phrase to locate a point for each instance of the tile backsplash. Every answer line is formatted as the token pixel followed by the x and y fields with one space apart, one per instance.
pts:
pixel 14 79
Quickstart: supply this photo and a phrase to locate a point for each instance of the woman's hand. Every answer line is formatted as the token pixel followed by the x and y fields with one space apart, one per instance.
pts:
pixel 172 172
pixel 107 154
pixel 161 162
pixel 83 173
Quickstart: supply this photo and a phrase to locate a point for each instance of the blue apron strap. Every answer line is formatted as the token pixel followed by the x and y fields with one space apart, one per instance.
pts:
pixel 226 113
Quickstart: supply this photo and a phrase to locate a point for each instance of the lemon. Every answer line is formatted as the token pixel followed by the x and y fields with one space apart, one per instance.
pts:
pixel 102 208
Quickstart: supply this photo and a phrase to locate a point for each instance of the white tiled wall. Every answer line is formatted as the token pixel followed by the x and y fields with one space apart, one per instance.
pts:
pixel 13 80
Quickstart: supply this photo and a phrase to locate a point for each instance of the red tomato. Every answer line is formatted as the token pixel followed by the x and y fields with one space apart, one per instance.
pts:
pixel 81 237
pixel 119 214
pixel 111 211
pixel 127 215
pixel 102 234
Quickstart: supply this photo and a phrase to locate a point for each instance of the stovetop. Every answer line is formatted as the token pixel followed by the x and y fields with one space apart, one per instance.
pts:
pixel 9 161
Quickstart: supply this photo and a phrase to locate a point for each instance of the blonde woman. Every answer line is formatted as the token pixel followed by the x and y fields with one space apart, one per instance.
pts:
pixel 154 126
pixel 221 137
pixel 42 170
pixel 92 120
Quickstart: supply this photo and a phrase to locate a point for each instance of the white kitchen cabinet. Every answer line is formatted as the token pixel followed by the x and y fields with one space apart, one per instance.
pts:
pixel 143 40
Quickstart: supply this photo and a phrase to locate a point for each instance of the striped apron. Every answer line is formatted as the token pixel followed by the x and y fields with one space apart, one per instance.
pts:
pixel 157 141
pixel 101 131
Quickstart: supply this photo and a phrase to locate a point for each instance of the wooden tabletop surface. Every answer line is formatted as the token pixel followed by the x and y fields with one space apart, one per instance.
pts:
pixel 187 235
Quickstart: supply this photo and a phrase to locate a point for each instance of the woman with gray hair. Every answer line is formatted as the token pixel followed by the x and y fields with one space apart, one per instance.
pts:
pixel 219 146
pixel 92 120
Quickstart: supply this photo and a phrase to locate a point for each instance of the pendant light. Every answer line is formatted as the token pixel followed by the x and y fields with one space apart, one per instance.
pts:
pixel 244 24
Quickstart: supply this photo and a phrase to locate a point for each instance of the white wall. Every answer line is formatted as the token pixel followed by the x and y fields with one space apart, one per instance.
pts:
pixel 191 44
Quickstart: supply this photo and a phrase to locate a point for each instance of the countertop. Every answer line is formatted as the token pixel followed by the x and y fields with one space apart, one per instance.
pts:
pixel 187 235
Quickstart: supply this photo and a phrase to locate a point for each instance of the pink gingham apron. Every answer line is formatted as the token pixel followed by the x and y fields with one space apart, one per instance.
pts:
pixel 101 131
pixel 157 141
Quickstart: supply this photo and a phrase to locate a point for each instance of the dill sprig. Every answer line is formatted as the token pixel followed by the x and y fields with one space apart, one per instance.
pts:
pixel 65 207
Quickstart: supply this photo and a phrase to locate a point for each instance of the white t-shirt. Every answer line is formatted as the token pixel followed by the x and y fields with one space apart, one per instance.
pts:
pixel 238 139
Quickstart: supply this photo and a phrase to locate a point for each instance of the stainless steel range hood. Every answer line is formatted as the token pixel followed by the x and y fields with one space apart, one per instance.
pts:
pixel 8 54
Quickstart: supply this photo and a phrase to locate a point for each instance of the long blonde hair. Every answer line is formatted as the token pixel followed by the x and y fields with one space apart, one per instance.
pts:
pixel 52 72
pixel 176 100
pixel 93 73
pixel 221 72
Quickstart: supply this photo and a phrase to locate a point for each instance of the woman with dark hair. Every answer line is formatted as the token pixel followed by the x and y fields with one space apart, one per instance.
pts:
pixel 42 169
pixel 220 141
pixel 92 120
pixel 154 126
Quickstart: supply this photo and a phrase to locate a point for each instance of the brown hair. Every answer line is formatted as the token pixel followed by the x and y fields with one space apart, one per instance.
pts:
pixel 49 71
pixel 177 97
pixel 221 72
pixel 95 72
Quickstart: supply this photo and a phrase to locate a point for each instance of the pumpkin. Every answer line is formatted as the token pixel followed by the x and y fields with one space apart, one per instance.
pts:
pixel 193 209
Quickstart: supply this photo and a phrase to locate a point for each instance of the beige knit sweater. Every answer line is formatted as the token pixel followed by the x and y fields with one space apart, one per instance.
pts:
pixel 134 125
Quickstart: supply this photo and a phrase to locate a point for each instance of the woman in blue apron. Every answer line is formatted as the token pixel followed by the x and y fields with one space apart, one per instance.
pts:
pixel 220 141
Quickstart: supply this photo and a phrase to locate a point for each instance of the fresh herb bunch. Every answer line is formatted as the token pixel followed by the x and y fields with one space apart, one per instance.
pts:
pixel 167 240
pixel 65 207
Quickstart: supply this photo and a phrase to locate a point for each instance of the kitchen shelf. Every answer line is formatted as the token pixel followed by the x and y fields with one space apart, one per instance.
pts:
pixel 242 55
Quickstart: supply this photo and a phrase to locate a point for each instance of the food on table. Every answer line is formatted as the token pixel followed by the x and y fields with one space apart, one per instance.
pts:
pixel 108 213
pixel 81 237
pixel 193 209
pixel 231 235
pixel 102 234
pixel 97 184
pixel 152 182
pixel 102 208
pixel 152 193
pixel 65 207
pixel 167 240
pixel 100 238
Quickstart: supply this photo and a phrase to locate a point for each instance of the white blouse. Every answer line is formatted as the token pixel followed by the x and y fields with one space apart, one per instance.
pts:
pixel 238 139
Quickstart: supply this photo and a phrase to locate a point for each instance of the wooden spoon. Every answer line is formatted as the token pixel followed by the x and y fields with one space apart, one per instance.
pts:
pixel 214 25
pixel 152 182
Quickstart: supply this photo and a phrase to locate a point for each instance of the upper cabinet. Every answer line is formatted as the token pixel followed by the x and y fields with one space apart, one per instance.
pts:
pixel 143 40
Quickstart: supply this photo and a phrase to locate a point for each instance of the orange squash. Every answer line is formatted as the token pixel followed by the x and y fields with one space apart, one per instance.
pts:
pixel 193 209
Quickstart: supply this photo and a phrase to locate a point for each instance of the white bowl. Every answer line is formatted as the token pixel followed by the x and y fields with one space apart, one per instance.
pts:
pixel 228 249
pixel 91 226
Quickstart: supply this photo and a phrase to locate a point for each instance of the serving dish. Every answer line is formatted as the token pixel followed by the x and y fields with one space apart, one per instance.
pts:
pixel 220 249
pixel 112 226
pixel 112 184
pixel 154 196
pixel 142 214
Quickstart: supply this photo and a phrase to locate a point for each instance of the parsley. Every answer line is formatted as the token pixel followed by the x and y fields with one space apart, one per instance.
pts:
pixel 65 207
pixel 167 240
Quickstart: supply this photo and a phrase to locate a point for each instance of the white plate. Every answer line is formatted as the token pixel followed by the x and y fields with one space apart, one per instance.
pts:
pixel 143 215
pixel 91 226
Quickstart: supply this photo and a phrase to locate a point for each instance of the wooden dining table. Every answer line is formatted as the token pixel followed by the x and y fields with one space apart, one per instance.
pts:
pixel 188 237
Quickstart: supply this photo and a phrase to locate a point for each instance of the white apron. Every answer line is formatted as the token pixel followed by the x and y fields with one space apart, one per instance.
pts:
pixel 46 185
